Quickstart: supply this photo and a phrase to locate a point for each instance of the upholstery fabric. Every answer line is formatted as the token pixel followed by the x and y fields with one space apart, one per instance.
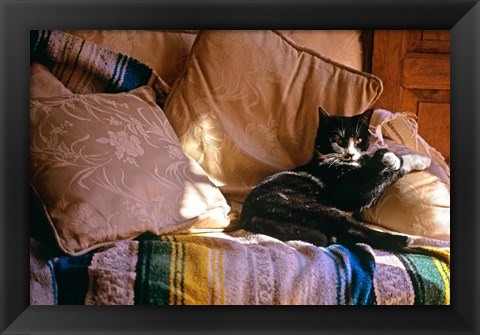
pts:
pixel 109 167
pixel 247 104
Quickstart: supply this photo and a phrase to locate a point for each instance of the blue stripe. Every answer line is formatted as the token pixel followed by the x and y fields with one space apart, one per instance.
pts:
pixel 337 251
pixel 361 277
pixel 54 281
pixel 136 74
pixel 339 279
pixel 72 278
pixel 112 80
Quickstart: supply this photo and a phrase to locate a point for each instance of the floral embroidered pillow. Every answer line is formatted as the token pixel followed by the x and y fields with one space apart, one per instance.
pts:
pixel 109 167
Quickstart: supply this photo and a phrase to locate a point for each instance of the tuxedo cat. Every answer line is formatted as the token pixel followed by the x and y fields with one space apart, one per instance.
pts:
pixel 320 202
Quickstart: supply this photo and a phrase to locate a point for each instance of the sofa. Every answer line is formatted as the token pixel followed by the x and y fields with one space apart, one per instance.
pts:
pixel 144 144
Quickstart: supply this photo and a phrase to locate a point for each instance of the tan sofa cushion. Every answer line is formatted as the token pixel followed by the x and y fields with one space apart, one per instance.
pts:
pixel 43 84
pixel 109 167
pixel 342 46
pixel 247 104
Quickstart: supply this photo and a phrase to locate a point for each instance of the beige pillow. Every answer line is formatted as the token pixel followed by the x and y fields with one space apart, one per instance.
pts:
pixel 418 203
pixel 43 84
pixel 247 104
pixel 109 167
pixel 165 51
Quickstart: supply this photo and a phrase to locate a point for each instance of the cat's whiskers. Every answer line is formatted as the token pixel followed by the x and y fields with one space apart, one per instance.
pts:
pixel 358 128
pixel 330 159
pixel 340 132
pixel 326 156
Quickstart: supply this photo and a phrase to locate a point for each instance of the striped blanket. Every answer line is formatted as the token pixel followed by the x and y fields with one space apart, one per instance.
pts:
pixel 242 268
pixel 86 67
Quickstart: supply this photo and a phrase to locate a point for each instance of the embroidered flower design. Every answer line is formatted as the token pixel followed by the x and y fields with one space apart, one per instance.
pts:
pixel 81 218
pixel 127 146
pixel 139 212
pixel 114 122
pixel 174 152
pixel 56 131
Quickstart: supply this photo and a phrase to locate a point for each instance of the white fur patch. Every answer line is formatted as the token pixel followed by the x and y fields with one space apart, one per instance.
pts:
pixel 350 150
pixel 391 161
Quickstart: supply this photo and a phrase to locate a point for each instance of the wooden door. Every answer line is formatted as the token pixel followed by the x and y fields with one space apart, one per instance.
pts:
pixel 414 66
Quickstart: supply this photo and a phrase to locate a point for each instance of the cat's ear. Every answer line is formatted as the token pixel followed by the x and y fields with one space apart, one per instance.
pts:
pixel 323 113
pixel 366 116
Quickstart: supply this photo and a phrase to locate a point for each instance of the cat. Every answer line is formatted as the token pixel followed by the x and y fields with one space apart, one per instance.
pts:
pixel 321 201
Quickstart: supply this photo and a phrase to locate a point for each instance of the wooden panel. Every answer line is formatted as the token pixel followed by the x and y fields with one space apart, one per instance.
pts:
pixel 434 125
pixel 412 98
pixel 388 51
pixel 426 71
pixel 436 35
pixel 414 66
pixel 432 41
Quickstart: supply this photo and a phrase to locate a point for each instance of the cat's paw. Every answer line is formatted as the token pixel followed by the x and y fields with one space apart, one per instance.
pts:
pixel 415 162
pixel 391 161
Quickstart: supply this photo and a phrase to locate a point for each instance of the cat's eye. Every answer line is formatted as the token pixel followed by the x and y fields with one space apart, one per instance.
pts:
pixel 338 140
pixel 358 141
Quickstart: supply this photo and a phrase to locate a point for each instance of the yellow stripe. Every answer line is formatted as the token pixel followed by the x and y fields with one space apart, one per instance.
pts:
pixel 443 254
pixel 172 271
pixel 441 270
pixel 222 279
pixel 196 270
pixel 213 272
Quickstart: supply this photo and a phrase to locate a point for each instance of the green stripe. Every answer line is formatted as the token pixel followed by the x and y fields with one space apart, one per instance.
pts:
pixel 141 287
pixel 428 277
pixel 152 285
pixel 184 250
pixel 175 273
pixel 416 281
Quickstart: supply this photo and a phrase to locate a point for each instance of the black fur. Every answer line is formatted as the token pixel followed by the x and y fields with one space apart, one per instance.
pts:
pixel 320 202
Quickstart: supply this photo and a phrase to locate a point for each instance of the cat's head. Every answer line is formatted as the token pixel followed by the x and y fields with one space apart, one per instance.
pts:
pixel 347 137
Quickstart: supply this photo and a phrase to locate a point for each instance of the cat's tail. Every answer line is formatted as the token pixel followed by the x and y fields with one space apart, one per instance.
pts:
pixel 378 239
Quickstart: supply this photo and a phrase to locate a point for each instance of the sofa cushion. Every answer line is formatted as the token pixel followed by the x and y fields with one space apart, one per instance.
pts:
pixel 43 84
pixel 246 105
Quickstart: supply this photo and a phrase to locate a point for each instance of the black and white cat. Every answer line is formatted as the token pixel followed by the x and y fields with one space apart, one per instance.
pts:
pixel 320 202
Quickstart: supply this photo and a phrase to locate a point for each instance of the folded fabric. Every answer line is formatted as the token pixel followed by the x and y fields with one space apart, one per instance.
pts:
pixel 43 284
pixel 86 67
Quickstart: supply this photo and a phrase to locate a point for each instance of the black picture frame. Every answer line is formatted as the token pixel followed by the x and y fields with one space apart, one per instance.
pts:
pixel 18 17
